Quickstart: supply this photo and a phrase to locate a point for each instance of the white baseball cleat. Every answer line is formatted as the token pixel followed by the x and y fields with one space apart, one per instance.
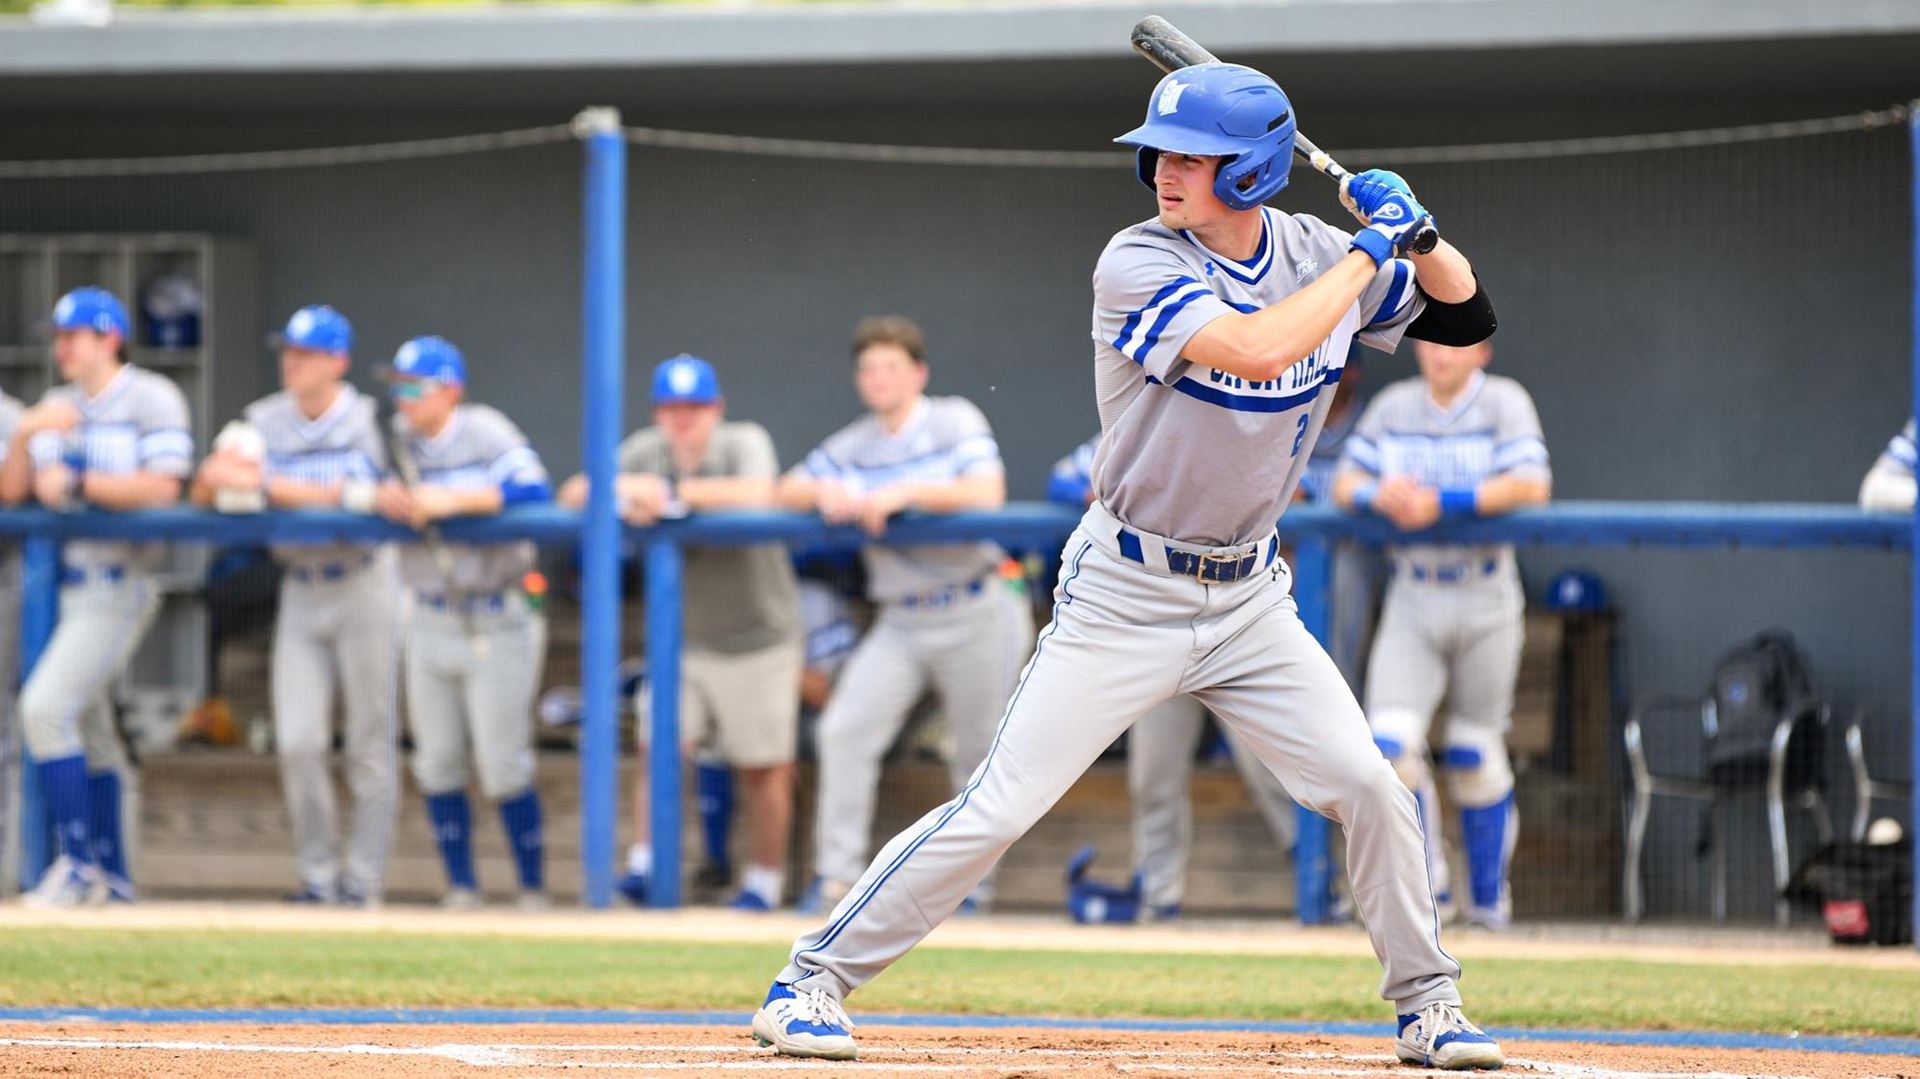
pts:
pixel 533 903
pixel 1438 1036
pixel 804 1023
pixel 462 899
pixel 66 883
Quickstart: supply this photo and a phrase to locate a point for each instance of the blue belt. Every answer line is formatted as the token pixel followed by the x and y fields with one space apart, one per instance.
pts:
pixel 77 575
pixel 329 573
pixel 1454 573
pixel 489 602
pixel 1219 569
pixel 943 597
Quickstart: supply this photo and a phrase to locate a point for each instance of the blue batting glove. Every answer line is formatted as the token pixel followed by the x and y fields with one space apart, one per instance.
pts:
pixel 1395 218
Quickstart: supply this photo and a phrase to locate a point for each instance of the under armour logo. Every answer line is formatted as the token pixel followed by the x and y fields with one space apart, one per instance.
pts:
pixel 1170 97
pixel 1210 268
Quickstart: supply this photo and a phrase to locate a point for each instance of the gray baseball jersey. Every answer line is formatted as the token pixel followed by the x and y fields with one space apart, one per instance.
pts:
pixel 1452 626
pixel 738 599
pixel 343 443
pixel 946 438
pixel 1491 429
pixel 1170 586
pixel 137 424
pixel 479 447
pixel 1208 457
pixel 1900 454
pixel 336 637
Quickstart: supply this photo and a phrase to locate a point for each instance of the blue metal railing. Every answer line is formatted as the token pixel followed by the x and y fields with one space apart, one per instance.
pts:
pixel 1313 531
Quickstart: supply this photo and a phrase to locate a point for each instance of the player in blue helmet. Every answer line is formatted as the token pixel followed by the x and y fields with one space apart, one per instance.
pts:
pixel 1221 329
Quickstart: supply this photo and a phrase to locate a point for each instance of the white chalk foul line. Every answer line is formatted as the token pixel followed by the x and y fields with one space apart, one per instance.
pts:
pixel 529 1055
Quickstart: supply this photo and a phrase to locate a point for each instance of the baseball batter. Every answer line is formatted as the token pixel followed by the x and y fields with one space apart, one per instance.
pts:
pixel 1888 485
pixel 336 634
pixel 1160 751
pixel 473 645
pixel 112 437
pixel 943 615
pixel 1454 442
pixel 1220 330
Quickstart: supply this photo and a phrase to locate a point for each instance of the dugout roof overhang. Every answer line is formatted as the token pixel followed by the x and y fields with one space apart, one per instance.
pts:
pixel 1767 57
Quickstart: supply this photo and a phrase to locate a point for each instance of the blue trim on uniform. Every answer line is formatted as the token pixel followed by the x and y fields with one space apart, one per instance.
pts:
pixel 515 493
pixel 1260 254
pixel 1389 304
pixel 840 924
pixel 1462 757
pixel 1130 547
pixel 1167 314
pixel 1390 748
pixel 1239 402
pixel 1133 320
pixel 1688 1039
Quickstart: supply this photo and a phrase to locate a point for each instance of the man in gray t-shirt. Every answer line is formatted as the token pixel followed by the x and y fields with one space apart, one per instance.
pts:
pixel 945 618
pixel 740 669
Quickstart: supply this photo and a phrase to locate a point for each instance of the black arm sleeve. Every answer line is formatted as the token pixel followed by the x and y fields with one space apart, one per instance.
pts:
pixel 1467 323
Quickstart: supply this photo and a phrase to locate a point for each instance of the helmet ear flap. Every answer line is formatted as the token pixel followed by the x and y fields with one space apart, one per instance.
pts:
pixel 1146 160
pixel 1268 174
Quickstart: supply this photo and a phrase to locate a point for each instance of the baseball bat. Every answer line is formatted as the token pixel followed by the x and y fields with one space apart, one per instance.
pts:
pixel 1170 50
pixel 399 431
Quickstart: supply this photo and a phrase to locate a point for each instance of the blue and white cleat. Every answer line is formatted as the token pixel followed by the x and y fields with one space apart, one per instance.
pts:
pixel 1438 1036
pixel 804 1023
pixel 750 902
pixel 634 887
pixel 67 883
pixel 117 889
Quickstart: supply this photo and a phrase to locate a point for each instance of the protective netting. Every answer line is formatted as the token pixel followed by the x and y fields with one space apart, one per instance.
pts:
pixel 1717 316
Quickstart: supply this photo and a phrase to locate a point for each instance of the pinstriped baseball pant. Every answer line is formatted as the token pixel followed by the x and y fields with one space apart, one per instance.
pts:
pixel 1124 637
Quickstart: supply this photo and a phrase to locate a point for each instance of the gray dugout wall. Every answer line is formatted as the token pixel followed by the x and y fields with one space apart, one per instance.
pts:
pixel 1718 324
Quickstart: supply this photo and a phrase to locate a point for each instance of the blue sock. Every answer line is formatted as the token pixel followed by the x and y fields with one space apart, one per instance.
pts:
pixel 1488 834
pixel 103 798
pixel 521 816
pixel 63 782
pixel 713 784
pixel 452 817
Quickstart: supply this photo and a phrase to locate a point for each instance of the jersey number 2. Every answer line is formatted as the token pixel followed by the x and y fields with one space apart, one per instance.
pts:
pixel 1300 435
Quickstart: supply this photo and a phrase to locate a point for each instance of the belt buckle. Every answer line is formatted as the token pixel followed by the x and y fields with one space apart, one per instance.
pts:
pixel 1227 575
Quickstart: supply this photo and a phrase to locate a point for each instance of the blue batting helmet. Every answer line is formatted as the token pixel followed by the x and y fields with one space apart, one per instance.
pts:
pixel 1221 110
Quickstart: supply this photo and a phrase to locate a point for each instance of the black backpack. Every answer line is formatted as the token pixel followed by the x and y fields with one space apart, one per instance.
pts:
pixel 1754 687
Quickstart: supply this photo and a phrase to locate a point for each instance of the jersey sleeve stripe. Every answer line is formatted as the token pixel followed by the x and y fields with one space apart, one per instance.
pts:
pixel 821 467
pixel 1160 324
pixel 167 443
pixel 1133 320
pixel 1396 297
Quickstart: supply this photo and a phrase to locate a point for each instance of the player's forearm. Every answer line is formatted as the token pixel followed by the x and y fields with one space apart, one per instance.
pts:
pixel 16 474
pixel 797 493
pixel 287 494
pixel 1264 344
pixel 987 492
pixel 1504 494
pixel 727 492
pixel 1347 484
pixel 132 491
pixel 471 501
pixel 573 493
pixel 1445 274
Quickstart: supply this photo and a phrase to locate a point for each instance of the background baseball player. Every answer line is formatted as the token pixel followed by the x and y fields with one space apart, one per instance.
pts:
pixel 336 631
pixel 112 437
pixel 1888 485
pixel 740 671
pixel 944 618
pixel 473 645
pixel 1220 330
pixel 10 412
pixel 1454 442
pixel 1160 751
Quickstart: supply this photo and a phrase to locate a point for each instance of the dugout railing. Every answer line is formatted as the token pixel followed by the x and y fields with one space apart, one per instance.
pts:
pixel 1314 533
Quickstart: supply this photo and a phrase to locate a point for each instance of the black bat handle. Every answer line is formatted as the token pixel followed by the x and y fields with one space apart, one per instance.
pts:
pixel 1170 50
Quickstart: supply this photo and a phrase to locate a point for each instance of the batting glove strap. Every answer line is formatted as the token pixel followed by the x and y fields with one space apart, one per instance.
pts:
pixel 1377 245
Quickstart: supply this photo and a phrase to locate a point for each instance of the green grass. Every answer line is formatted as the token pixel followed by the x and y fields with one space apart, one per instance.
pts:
pixel 257 969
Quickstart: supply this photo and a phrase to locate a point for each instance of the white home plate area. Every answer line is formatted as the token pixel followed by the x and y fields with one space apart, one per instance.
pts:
pixel 219 1050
